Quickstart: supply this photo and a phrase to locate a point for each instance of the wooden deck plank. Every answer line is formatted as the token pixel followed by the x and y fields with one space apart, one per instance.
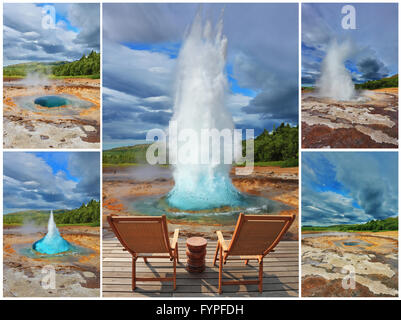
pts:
pixel 187 275
pixel 280 274
pixel 201 288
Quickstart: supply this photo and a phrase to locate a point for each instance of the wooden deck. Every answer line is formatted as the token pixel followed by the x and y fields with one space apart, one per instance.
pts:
pixel 280 274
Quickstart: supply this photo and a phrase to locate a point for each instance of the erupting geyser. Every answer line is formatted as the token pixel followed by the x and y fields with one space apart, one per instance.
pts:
pixel 335 81
pixel 52 243
pixel 201 88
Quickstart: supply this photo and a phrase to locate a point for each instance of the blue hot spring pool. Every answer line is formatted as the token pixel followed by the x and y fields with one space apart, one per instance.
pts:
pixel 52 101
pixel 73 253
pixel 63 104
pixel 225 215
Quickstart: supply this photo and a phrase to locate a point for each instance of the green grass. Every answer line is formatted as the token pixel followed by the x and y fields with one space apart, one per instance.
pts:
pixel 308 89
pixel 86 215
pixel 390 82
pixel 96 76
pixel 282 164
pixel 87 67
pixel 389 224
pixel 90 76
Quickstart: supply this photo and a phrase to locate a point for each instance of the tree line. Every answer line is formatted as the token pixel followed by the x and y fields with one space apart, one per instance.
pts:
pixel 391 82
pixel 87 65
pixel 281 144
pixel 86 214
pixel 388 224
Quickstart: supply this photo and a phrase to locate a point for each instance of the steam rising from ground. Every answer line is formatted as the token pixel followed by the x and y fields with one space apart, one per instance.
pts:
pixel 336 81
pixel 200 104
pixel 35 79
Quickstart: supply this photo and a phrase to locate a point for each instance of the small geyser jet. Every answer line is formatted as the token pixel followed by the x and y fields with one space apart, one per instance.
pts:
pixel 335 81
pixel 201 87
pixel 52 243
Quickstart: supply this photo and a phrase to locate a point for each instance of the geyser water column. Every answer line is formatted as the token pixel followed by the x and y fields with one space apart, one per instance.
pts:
pixel 200 93
pixel 52 243
pixel 335 81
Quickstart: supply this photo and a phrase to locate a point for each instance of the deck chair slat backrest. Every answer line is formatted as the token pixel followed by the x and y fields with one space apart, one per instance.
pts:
pixel 141 234
pixel 257 235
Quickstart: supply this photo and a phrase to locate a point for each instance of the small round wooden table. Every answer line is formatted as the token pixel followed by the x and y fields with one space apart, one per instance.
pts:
pixel 196 253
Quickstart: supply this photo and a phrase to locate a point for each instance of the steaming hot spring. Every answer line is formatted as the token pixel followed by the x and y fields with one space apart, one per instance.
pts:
pixel 203 191
pixel 65 104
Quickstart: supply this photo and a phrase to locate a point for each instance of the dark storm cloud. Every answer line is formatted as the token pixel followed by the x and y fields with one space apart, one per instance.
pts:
pixel 86 165
pixel 157 117
pixel 262 52
pixel 372 69
pixel 277 103
pixel 86 16
pixel 127 22
pixel 26 40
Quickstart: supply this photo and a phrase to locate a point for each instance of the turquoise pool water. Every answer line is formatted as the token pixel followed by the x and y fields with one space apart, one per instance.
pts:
pixel 52 101
pixel 73 253
pixel 51 104
pixel 226 215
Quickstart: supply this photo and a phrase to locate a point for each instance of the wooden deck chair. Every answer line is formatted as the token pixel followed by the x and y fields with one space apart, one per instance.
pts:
pixel 146 237
pixel 254 237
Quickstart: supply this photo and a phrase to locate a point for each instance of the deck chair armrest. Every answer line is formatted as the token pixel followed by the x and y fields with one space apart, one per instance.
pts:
pixel 175 238
pixel 221 240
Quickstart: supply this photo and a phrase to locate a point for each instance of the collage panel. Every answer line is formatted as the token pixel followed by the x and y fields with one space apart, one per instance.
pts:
pixel 51 224
pixel 217 71
pixel 349 224
pixel 51 76
pixel 159 158
pixel 349 75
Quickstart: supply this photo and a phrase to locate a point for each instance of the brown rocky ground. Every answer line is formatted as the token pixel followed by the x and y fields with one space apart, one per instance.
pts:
pixel 121 184
pixel 36 129
pixel 75 276
pixel 326 259
pixel 368 123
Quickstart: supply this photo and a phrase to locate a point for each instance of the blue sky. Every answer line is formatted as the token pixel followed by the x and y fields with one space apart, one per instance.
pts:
pixel 76 31
pixel 374 42
pixel 140 52
pixel 49 180
pixel 348 187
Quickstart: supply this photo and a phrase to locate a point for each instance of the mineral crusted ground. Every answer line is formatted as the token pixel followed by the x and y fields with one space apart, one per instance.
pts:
pixel 326 262
pixel 75 276
pixel 124 184
pixel 36 129
pixel 369 122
